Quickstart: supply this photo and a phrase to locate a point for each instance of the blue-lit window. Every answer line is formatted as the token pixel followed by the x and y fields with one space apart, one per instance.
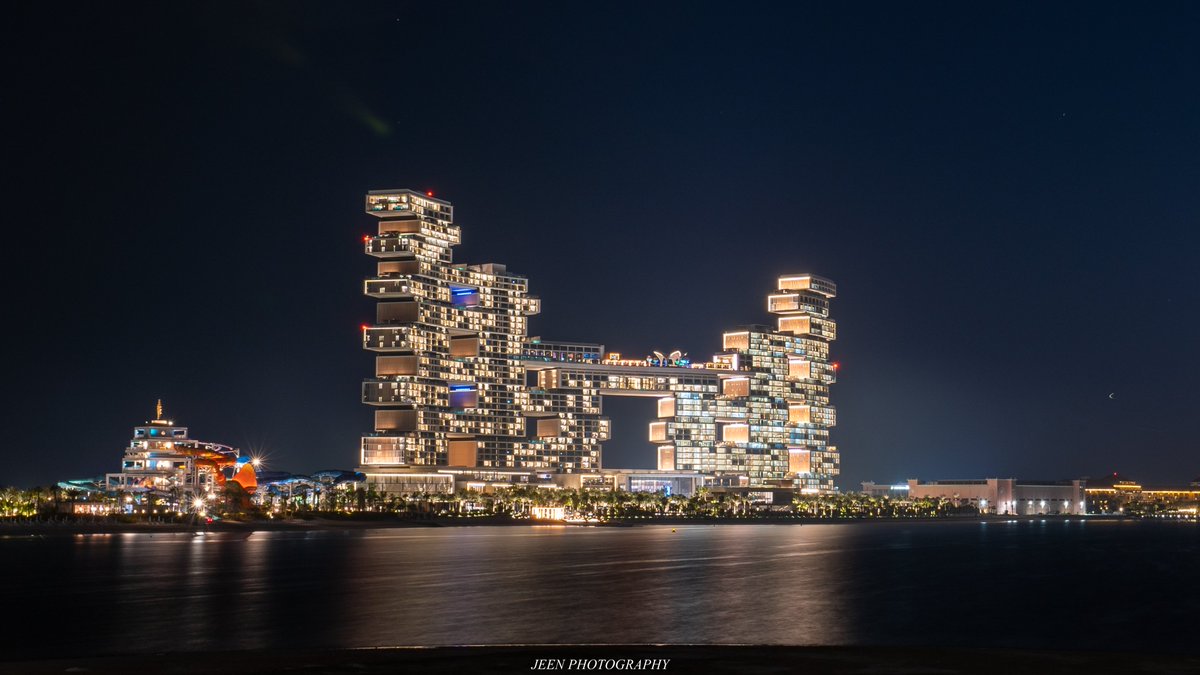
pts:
pixel 464 296
pixel 464 396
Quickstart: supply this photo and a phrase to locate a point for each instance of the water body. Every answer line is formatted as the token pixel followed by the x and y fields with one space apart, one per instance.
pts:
pixel 1066 585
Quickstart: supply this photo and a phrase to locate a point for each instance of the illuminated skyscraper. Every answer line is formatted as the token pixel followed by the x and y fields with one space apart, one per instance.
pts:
pixel 459 385
pixel 449 385
pixel 768 419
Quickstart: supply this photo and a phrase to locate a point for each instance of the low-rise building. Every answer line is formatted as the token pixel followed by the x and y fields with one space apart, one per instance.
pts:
pixel 1006 496
pixel 163 461
pixel 450 480
pixel 1113 494
pixel 889 490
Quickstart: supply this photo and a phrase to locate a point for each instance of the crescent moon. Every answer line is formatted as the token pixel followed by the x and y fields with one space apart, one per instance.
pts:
pixel 1113 396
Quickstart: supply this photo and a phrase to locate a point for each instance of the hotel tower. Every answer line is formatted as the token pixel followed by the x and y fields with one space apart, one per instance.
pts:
pixel 461 393
pixel 449 385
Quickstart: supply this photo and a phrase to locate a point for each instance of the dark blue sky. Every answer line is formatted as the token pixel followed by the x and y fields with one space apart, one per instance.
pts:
pixel 1007 196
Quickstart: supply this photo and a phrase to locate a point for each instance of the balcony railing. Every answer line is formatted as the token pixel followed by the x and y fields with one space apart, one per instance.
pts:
pixel 387 338
pixel 389 247
pixel 388 288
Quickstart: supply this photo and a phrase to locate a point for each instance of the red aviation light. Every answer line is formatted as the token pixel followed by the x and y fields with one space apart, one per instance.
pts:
pixel 365 326
pixel 836 365
pixel 429 193
pixel 366 238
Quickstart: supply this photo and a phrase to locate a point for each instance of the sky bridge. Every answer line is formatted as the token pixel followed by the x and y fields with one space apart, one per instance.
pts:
pixel 574 365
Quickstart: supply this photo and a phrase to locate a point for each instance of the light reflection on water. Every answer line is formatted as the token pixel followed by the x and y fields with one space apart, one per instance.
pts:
pixel 1064 585
pixel 568 585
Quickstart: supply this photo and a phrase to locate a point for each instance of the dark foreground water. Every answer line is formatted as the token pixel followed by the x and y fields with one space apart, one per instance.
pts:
pixel 1072 585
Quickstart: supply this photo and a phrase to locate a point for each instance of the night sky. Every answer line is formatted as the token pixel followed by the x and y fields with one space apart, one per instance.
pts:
pixel 1007 196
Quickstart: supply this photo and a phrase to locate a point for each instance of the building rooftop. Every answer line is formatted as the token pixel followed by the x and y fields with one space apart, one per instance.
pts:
pixel 428 194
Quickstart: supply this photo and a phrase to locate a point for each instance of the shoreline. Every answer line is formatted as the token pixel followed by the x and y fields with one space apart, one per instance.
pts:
pixel 317 524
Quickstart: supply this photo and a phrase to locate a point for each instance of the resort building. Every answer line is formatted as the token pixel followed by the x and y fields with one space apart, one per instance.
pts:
pixel 1006 496
pixel 460 390
pixel 161 459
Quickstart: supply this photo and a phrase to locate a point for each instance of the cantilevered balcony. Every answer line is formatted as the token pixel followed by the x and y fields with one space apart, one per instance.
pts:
pixel 395 312
pixel 395 392
pixel 389 246
pixel 388 338
pixel 390 269
pixel 388 288
pixel 396 421
pixel 812 282
pixel 826 329
pixel 658 432
pixel 392 203
pixel 798 302
pixel 394 365
pixel 804 369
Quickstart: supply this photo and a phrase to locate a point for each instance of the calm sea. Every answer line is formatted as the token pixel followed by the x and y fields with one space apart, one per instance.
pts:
pixel 1052 584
